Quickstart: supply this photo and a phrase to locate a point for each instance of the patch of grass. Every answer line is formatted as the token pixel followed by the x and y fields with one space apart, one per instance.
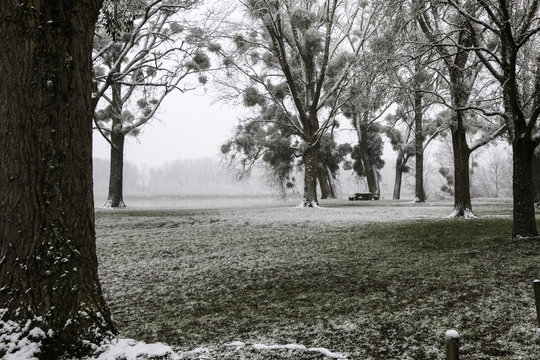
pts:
pixel 383 288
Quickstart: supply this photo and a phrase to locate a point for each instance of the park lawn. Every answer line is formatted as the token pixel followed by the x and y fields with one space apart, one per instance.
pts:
pixel 372 280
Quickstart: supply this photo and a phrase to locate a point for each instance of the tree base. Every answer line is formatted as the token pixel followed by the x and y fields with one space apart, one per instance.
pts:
pixel 466 213
pixel 109 205
pixel 308 204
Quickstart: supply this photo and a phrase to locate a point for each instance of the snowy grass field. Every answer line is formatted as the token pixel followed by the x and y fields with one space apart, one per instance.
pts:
pixel 369 280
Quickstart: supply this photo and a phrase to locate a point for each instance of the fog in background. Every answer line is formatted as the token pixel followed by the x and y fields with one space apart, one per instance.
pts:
pixel 201 177
pixel 178 154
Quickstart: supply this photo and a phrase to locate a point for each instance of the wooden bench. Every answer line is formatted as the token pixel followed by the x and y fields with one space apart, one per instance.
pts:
pixel 364 196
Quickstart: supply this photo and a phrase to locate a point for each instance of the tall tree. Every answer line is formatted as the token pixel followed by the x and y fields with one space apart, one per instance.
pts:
pixel 293 45
pixel 142 52
pixel 369 92
pixel 415 79
pixel 446 31
pixel 48 265
pixel 506 37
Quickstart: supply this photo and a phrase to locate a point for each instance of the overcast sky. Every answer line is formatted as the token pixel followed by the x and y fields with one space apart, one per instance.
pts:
pixel 188 125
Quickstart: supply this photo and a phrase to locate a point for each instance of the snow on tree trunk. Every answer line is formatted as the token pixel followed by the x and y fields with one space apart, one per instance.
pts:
pixel 524 214
pixel 49 286
pixel 310 176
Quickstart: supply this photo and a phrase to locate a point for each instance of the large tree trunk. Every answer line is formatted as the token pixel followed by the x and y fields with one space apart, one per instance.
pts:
pixel 536 179
pixel 462 192
pixel 419 193
pixel 48 265
pixel 310 175
pixel 398 175
pixel 524 215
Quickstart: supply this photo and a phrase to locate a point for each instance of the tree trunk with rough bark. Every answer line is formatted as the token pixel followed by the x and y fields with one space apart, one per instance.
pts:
pixel 310 175
pixel 462 192
pixel 524 224
pixel 536 179
pixel 48 264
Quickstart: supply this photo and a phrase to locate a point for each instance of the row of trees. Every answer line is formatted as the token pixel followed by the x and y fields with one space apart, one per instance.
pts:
pixel 466 67
pixel 361 81
pixel 307 62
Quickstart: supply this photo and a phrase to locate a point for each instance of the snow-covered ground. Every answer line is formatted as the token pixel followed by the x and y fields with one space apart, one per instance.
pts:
pixel 258 278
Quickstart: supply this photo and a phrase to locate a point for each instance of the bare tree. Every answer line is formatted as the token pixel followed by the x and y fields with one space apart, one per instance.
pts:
pixel 445 29
pixel 505 37
pixel 496 170
pixel 151 52
pixel 415 78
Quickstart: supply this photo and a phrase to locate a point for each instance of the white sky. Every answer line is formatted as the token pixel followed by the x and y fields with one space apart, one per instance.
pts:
pixel 188 125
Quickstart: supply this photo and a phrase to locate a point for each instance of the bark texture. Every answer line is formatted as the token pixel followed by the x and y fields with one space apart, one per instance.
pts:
pixel 48 264
pixel 536 179
pixel 310 176
pixel 524 224
pixel 462 192
pixel 326 182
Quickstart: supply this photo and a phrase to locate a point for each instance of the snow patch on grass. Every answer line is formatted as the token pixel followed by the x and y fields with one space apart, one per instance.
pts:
pixel 467 214
pixel 129 349
pixel 299 347
pixel 308 205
